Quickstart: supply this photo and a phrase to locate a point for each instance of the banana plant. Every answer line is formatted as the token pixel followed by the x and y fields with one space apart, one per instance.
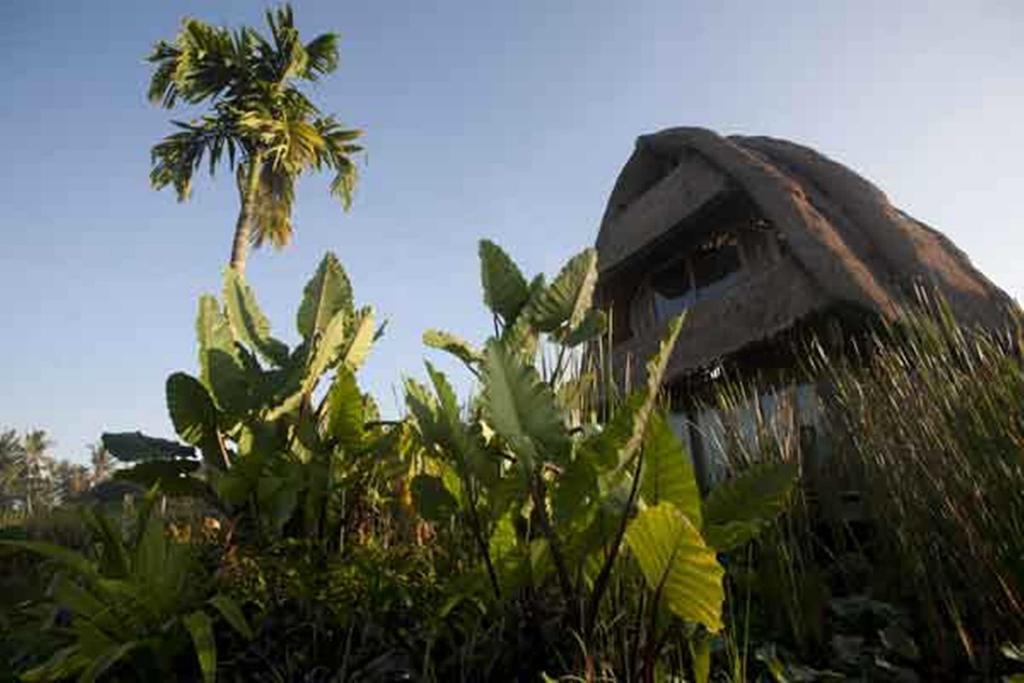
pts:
pixel 274 447
pixel 138 605
pixel 547 490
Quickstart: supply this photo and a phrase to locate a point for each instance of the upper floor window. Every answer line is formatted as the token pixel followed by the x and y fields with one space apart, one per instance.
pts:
pixel 716 264
pixel 673 290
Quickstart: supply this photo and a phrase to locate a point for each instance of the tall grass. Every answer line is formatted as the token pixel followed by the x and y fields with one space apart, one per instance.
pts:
pixel 925 422
pixel 932 424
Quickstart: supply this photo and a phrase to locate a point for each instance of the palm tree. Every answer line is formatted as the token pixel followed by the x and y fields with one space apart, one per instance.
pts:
pixel 37 463
pixel 271 132
pixel 12 465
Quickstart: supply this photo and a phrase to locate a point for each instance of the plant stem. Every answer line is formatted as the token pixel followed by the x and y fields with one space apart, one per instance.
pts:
pixel 537 493
pixel 601 583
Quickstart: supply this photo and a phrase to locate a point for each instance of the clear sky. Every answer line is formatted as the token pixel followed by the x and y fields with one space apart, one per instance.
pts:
pixel 508 120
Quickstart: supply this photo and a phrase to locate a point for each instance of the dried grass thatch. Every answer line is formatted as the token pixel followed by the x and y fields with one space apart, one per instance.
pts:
pixel 845 244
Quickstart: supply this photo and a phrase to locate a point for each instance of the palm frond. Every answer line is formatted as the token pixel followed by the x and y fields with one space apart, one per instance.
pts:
pixel 323 56
pixel 176 157
pixel 337 153
pixel 202 63
pixel 273 208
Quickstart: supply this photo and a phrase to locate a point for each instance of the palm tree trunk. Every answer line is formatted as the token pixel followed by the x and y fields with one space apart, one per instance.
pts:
pixel 243 227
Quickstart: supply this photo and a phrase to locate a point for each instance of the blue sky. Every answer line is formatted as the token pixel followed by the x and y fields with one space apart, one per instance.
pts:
pixel 508 120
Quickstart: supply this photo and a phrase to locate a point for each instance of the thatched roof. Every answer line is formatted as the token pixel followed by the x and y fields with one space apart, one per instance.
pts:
pixel 845 243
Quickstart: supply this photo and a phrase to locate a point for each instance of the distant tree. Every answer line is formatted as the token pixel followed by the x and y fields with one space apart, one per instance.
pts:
pixel 70 480
pixel 12 466
pixel 270 131
pixel 38 467
pixel 99 457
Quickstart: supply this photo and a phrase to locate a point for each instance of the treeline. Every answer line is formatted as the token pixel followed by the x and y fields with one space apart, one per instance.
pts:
pixel 32 479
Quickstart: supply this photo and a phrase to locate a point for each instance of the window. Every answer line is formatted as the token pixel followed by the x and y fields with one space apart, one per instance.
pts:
pixel 641 315
pixel 715 264
pixel 759 242
pixel 673 290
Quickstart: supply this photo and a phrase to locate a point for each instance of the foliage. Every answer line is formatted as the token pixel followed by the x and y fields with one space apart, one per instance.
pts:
pixel 923 422
pixel 133 606
pixel 280 456
pixel 550 497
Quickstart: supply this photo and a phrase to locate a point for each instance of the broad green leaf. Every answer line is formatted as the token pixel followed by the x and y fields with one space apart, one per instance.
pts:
pixel 667 475
pixel 569 296
pixel 521 408
pixel 505 288
pixel 232 614
pixel 200 628
pixel 192 411
pixel 447 401
pixel 171 476
pixel 603 447
pixel 677 564
pixel 737 509
pixel 424 409
pixel 212 332
pixel 248 323
pixel 345 418
pixel 574 489
pixel 136 446
pixel 432 499
pixel 362 341
pixel 195 417
pixel 228 382
pixel 453 344
pixel 221 368
pixel 326 351
pixel 327 293
pixel 503 539
pixel 593 324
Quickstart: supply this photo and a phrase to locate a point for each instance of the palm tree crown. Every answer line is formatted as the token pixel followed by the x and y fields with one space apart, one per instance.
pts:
pixel 268 129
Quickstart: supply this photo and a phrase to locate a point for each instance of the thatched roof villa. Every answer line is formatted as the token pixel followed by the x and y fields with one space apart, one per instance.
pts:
pixel 761 239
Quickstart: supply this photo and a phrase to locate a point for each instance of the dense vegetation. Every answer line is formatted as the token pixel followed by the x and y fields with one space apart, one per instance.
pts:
pixel 545 526
pixel 549 526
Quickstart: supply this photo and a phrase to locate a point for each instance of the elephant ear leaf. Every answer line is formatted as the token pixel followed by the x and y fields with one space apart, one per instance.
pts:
pixel 593 324
pixel 194 416
pixel 136 446
pixel 328 292
pixel 736 510
pixel 361 341
pixel 248 323
pixel 569 296
pixel 453 344
pixel 172 477
pixel 520 407
pixel 677 564
pixel 505 288
pixel 345 416
pixel 667 472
